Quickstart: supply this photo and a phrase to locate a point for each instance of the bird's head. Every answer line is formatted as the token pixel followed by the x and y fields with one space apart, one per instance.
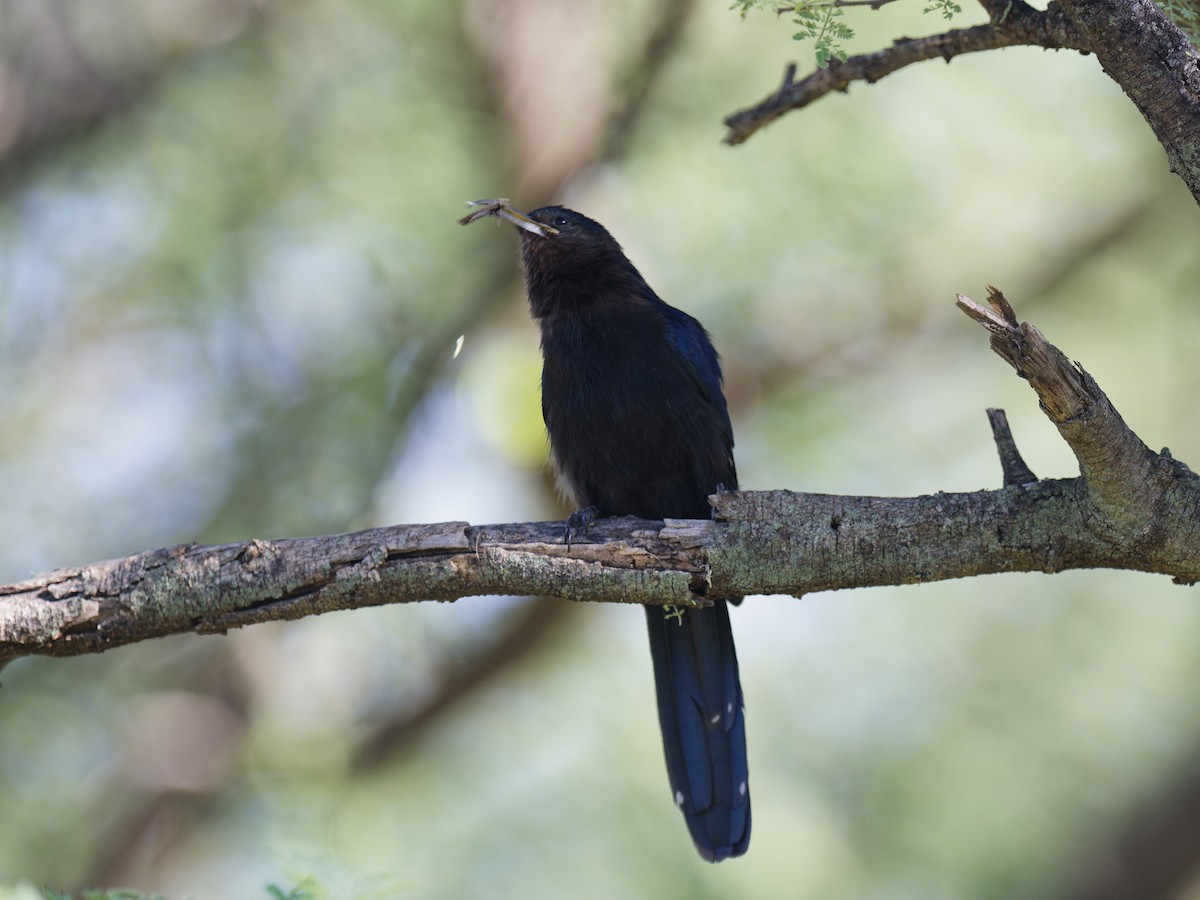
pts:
pixel 557 237
pixel 568 258
pixel 553 235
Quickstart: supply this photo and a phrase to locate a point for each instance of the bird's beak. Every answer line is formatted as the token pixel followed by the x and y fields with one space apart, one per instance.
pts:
pixel 523 221
pixel 502 210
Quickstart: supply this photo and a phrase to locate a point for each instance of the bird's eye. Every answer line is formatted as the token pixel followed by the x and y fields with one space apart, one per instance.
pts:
pixel 560 221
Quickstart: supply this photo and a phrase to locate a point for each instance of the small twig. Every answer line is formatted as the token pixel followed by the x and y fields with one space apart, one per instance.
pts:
pixel 1011 462
pixel 789 77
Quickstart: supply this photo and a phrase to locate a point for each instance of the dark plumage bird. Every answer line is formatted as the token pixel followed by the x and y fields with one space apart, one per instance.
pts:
pixel 631 395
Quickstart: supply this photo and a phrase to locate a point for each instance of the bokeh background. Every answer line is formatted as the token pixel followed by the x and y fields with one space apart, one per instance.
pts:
pixel 231 285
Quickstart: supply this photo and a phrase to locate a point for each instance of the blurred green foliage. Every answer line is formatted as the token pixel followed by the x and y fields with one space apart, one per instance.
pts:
pixel 229 303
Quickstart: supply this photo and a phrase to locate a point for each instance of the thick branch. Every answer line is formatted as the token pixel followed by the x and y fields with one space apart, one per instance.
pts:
pixel 1130 509
pixel 1021 24
pixel 211 589
pixel 762 542
pixel 1158 69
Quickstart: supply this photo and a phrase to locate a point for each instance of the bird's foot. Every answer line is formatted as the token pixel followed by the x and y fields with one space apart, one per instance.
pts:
pixel 712 510
pixel 579 521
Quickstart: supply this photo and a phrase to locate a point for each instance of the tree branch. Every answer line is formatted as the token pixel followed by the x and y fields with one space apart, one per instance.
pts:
pixel 1130 509
pixel 1138 46
pixel 1144 52
pixel 1124 480
pixel 1020 25
pixel 1012 464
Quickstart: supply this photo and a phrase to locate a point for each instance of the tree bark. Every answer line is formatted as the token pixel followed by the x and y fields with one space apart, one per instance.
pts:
pixel 1156 66
pixel 1129 509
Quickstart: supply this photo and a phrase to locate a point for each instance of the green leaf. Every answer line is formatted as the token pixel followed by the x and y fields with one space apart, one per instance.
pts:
pixel 820 22
pixel 948 8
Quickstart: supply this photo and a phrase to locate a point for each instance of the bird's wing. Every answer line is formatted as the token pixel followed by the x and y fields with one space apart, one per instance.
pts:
pixel 691 342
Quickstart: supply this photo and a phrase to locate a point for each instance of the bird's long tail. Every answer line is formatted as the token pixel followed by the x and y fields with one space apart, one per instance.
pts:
pixel 703 726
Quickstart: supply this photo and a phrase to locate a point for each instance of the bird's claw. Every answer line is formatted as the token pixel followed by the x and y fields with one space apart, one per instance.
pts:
pixel 580 521
pixel 712 510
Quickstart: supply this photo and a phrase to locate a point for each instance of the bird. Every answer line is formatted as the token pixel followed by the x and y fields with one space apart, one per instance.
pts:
pixel 638 425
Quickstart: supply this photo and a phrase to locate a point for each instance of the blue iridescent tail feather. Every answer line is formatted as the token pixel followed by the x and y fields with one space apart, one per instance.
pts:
pixel 703 725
